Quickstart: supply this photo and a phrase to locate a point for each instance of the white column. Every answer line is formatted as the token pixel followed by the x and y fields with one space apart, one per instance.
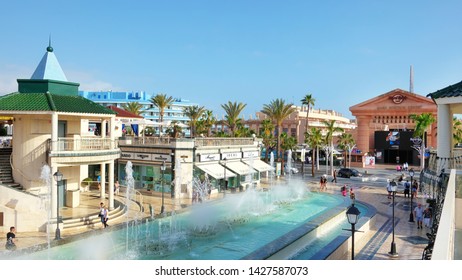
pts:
pixel 112 132
pixel 103 181
pixel 444 134
pixel 54 132
pixel 103 128
pixel 111 184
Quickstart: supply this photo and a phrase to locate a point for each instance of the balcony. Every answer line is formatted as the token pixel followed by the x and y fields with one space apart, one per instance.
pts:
pixel 88 149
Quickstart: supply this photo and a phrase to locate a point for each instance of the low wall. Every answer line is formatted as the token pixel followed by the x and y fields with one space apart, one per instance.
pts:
pixel 22 210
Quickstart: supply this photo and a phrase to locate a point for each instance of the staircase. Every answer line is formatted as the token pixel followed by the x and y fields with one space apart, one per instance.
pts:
pixel 6 173
pixel 93 221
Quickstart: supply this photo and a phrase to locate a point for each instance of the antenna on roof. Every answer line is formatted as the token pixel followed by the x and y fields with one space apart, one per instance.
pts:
pixel 49 48
pixel 411 81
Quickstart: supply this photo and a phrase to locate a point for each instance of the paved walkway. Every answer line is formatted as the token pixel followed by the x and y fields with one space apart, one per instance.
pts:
pixel 376 245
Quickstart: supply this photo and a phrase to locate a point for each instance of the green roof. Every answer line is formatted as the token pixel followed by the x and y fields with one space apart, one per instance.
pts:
pixel 50 102
pixel 454 90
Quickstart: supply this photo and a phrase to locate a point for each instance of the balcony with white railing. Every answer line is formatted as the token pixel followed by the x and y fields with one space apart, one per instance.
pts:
pixel 82 147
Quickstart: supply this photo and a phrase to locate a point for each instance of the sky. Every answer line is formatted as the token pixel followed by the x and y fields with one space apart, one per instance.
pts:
pixel 253 51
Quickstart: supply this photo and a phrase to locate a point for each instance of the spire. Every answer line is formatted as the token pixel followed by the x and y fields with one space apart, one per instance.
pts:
pixel 49 49
pixel 49 68
pixel 411 81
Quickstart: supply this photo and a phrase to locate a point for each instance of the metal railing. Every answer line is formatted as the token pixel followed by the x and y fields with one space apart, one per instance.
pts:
pixel 222 141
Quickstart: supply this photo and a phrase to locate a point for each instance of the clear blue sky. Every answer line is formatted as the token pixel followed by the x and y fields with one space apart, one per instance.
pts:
pixel 211 52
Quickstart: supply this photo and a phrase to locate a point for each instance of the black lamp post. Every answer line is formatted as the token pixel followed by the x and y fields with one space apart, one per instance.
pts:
pixel 393 252
pixel 352 215
pixel 162 168
pixel 58 176
pixel 224 179
pixel 411 214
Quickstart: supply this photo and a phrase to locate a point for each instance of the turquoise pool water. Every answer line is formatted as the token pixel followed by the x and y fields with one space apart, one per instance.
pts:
pixel 228 229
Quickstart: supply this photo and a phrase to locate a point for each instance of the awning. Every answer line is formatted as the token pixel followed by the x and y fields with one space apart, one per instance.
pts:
pixel 259 165
pixel 239 167
pixel 215 170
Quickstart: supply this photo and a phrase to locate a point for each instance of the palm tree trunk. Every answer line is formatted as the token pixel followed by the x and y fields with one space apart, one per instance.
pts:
pixel 331 158
pixel 313 156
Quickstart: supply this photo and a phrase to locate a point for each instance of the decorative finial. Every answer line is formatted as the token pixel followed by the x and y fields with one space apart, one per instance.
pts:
pixel 49 48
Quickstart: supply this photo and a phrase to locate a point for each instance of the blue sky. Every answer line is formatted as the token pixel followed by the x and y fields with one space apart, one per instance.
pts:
pixel 211 52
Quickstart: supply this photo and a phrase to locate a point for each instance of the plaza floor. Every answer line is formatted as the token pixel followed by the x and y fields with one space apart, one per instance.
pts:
pixel 376 244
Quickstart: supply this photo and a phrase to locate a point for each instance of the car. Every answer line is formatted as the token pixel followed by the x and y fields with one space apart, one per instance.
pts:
pixel 293 170
pixel 348 172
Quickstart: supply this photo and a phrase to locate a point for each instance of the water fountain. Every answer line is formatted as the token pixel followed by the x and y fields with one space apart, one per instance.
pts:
pixel 45 176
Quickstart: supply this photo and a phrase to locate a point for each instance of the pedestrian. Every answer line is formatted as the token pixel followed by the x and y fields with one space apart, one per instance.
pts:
pixel 344 190
pixel 389 190
pixel 352 194
pixel 407 189
pixel 106 217
pixel 418 213
pixel 103 214
pixel 116 187
pixel 11 239
pixel 427 216
pixel 414 188
pixel 335 176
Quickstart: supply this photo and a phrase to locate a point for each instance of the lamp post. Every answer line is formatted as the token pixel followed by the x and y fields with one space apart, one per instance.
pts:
pixel 224 179
pixel 162 168
pixel 352 215
pixel 58 176
pixel 411 214
pixel 393 252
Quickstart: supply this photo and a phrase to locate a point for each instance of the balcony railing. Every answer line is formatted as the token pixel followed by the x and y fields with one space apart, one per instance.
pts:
pixel 81 144
pixel 203 142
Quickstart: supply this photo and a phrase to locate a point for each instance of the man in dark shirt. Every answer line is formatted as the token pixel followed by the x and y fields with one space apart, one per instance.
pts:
pixel 11 239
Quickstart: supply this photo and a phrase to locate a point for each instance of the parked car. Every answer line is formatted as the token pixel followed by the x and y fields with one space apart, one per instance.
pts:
pixel 293 170
pixel 348 172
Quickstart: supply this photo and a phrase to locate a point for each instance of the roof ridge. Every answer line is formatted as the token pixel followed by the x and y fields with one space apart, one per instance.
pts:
pixel 50 101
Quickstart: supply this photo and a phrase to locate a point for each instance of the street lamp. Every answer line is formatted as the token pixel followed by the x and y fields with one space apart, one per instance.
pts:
pixel 352 215
pixel 162 168
pixel 224 179
pixel 411 214
pixel 58 176
pixel 393 252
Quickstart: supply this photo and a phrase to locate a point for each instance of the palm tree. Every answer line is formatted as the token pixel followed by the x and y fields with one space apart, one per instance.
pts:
pixel 308 100
pixel 346 142
pixel 233 110
pixel 331 130
pixel 422 122
pixel 314 139
pixel 278 111
pixel 194 113
pixel 174 130
pixel 457 130
pixel 209 120
pixel 267 135
pixel 133 107
pixel 162 101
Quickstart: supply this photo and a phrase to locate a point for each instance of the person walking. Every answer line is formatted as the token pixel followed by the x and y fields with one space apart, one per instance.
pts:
pixel 389 190
pixel 103 214
pixel 427 216
pixel 335 176
pixel 352 195
pixel 116 187
pixel 418 213
pixel 11 239
pixel 344 190
pixel 407 189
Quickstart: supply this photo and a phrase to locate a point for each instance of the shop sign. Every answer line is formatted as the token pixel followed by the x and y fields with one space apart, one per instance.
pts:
pixel 209 157
pixel 250 154
pixel 231 155
pixel 161 157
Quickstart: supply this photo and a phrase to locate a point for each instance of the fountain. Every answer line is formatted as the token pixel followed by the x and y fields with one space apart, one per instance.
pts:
pixel 45 176
pixel 230 228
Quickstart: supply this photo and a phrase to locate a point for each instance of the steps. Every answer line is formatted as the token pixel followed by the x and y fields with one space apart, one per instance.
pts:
pixel 6 173
pixel 93 221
